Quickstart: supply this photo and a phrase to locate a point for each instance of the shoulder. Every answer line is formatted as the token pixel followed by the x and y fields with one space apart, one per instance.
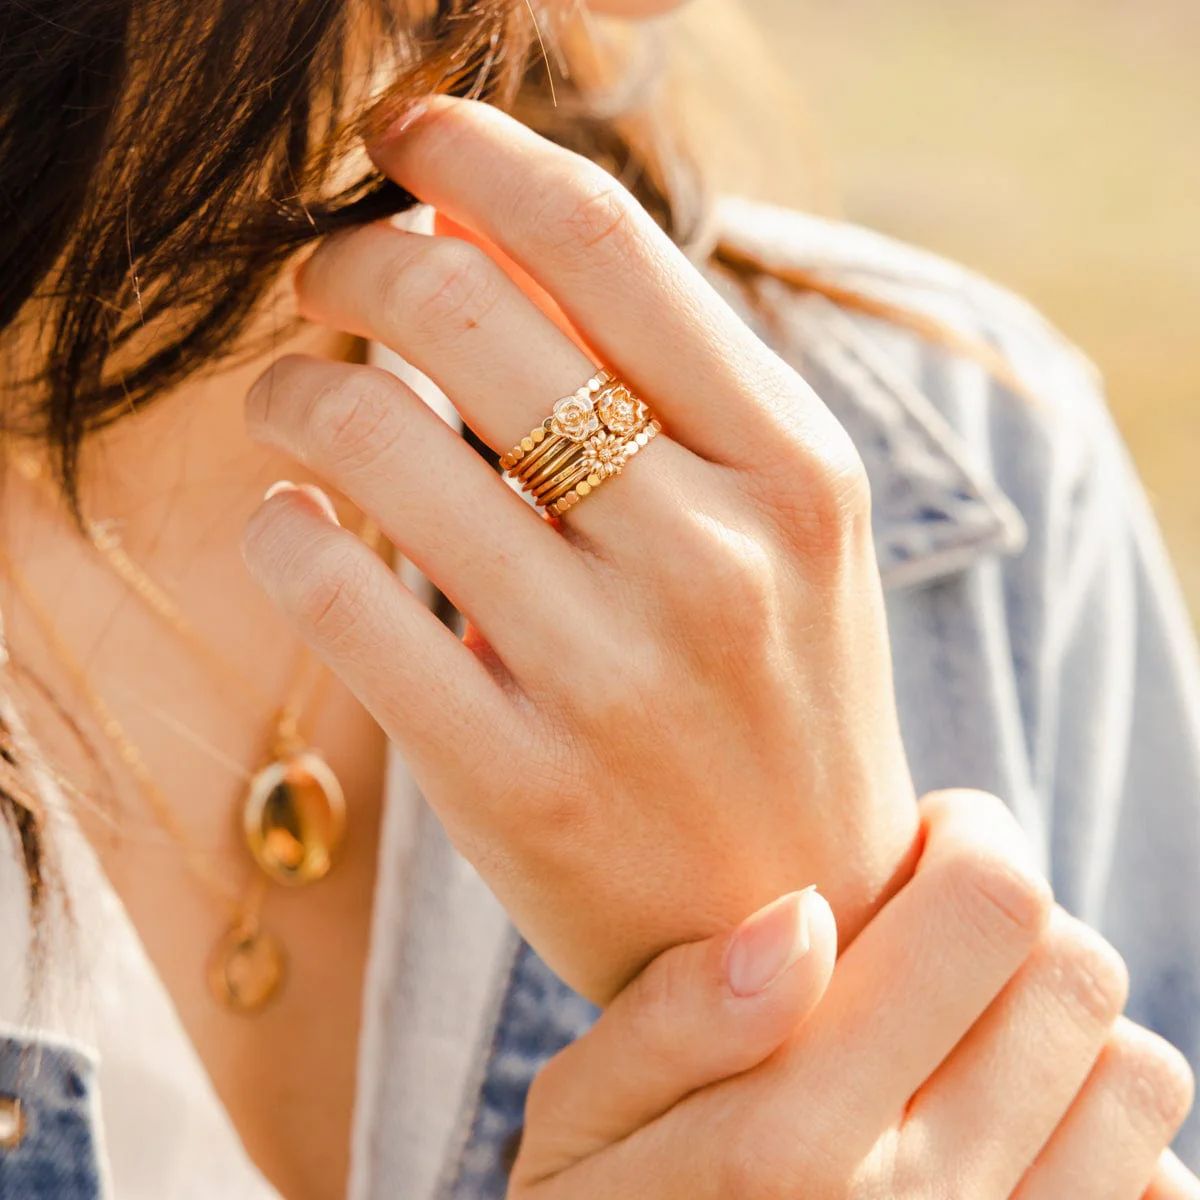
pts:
pixel 967 406
pixel 917 281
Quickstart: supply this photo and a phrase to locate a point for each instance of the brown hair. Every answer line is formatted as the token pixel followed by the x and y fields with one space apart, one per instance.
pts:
pixel 161 162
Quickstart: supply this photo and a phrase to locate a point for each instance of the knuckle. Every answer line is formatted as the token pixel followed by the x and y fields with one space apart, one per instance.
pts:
pixel 590 213
pixel 821 498
pixel 1093 975
pixel 758 1162
pixel 662 992
pixel 1001 898
pixel 834 500
pixel 1153 1075
pixel 332 599
pixel 723 571
pixel 353 421
pixel 447 286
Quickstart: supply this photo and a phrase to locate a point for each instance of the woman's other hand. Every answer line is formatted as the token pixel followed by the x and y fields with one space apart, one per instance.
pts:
pixel 681 708
pixel 969 1044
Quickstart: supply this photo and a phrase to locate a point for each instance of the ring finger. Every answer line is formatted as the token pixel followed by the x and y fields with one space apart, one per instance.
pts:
pixel 366 433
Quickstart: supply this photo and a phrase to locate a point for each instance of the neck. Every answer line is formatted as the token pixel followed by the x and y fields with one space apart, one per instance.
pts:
pixel 182 471
pixel 175 484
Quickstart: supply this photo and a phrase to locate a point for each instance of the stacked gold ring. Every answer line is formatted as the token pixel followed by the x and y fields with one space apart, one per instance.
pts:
pixel 588 437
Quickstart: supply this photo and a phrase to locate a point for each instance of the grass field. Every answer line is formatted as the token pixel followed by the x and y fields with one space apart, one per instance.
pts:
pixel 1053 144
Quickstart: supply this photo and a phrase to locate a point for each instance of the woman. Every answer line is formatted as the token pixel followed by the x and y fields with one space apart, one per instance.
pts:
pixel 669 707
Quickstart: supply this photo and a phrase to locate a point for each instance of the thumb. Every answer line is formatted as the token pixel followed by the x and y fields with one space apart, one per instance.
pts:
pixel 698 1014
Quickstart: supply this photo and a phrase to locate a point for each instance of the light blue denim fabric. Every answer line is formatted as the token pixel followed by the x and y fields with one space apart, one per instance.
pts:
pixel 1041 648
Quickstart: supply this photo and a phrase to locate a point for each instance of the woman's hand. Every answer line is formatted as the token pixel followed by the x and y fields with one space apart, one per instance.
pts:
pixel 681 708
pixel 968 1045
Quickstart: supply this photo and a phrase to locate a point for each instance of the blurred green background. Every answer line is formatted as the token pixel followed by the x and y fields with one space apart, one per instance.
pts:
pixel 1052 144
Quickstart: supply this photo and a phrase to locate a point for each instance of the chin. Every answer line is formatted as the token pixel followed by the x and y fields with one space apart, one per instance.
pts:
pixel 634 8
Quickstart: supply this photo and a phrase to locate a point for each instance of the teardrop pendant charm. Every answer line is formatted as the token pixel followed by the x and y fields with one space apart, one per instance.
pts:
pixel 294 817
pixel 246 969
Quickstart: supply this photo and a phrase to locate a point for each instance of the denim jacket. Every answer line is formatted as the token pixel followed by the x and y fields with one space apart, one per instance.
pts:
pixel 1042 652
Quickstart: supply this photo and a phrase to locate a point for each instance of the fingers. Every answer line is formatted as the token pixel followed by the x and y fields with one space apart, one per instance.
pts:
pixel 903 994
pixel 625 286
pixel 448 309
pixel 1172 1181
pixel 921 974
pixel 1037 1041
pixel 365 433
pixel 1109 1144
pixel 428 691
pixel 697 1014
pixel 453 313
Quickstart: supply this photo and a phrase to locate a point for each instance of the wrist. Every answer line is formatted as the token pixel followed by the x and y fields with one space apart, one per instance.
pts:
pixel 871 860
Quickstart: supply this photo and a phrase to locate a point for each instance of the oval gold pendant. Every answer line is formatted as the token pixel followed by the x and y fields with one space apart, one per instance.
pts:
pixel 294 818
pixel 246 969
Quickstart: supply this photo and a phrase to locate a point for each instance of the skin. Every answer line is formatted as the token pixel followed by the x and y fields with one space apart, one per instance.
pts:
pixel 179 477
pixel 997 1067
pixel 730 585
pixel 609 828
pixel 179 481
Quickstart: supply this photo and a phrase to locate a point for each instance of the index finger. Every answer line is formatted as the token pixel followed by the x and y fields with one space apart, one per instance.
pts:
pixel 629 290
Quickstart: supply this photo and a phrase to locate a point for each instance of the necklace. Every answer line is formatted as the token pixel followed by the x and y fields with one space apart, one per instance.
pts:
pixel 292 815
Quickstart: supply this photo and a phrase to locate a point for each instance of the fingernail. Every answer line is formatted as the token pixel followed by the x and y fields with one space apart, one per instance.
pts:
pixel 415 110
pixel 278 488
pixel 768 944
pixel 321 500
pixel 412 112
pixel 314 493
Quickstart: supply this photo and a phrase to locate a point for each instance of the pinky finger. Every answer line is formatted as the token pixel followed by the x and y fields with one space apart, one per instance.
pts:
pixel 1172 1181
pixel 431 694
pixel 1109 1145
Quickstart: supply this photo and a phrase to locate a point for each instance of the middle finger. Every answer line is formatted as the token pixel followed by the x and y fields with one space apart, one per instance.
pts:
pixel 447 308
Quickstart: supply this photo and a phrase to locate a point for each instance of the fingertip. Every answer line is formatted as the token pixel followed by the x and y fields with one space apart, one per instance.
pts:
pixel 787 946
pixel 307 494
pixel 382 137
pixel 822 953
pixel 823 935
pixel 1173 1181
pixel 272 531
pixel 321 501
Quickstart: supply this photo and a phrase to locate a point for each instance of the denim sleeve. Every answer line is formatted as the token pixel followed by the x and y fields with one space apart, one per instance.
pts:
pixel 1116 741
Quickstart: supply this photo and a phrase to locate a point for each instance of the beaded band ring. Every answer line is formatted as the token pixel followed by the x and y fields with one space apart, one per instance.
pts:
pixel 588 437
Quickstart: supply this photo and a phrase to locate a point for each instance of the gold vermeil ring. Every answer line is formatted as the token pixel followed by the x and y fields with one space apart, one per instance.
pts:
pixel 588 437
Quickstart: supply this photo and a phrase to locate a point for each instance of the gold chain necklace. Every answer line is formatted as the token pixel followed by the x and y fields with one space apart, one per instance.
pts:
pixel 293 811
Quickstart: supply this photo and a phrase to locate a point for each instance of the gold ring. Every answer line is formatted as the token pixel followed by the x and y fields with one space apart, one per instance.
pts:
pixel 588 437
